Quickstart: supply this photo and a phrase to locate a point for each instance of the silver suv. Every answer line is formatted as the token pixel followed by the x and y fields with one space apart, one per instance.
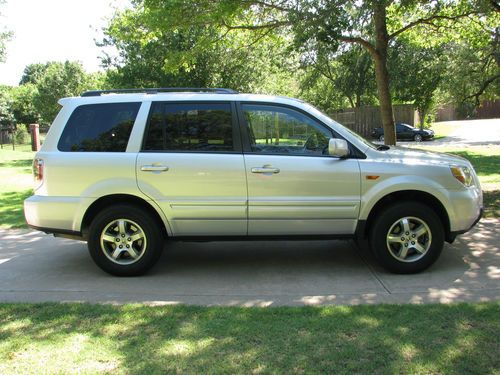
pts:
pixel 126 169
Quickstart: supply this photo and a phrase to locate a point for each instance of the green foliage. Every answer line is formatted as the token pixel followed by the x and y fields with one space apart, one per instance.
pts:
pixel 23 107
pixel 416 74
pixel 58 81
pixel 33 73
pixel 21 134
pixel 152 53
pixel 7 118
pixel 347 80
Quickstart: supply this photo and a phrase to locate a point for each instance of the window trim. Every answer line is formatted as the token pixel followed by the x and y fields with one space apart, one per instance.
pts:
pixel 237 144
pixel 247 148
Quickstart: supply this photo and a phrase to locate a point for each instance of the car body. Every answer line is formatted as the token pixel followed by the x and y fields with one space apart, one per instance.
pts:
pixel 405 132
pixel 125 171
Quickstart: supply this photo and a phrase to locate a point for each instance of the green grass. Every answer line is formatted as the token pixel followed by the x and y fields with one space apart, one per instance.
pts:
pixel 16 180
pixel 380 339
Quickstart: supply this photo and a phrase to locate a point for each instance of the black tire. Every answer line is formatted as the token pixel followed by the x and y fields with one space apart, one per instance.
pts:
pixel 417 138
pixel 390 245
pixel 140 227
pixel 381 138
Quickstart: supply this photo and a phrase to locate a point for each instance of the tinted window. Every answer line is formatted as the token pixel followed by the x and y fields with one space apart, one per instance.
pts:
pixel 99 127
pixel 201 127
pixel 284 131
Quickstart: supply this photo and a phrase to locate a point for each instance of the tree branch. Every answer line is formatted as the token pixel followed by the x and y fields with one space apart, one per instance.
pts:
pixel 272 25
pixel 428 21
pixel 268 5
pixel 357 40
pixel 482 89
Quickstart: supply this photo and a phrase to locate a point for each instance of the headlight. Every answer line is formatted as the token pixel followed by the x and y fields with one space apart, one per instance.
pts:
pixel 462 174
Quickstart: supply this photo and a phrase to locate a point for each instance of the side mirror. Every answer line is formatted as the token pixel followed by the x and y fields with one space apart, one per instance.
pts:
pixel 338 147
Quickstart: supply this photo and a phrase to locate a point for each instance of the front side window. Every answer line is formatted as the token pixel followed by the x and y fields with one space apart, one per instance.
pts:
pixel 99 127
pixel 189 127
pixel 280 130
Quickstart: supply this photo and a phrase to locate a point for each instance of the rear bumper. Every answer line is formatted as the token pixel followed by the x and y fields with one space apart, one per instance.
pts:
pixel 52 214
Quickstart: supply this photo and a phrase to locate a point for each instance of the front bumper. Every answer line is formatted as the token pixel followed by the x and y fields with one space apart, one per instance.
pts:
pixel 456 233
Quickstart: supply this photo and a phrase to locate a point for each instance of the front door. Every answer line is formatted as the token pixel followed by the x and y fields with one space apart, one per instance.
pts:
pixel 294 186
pixel 191 164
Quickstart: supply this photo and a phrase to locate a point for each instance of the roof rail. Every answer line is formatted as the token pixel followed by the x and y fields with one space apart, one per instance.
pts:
pixel 158 90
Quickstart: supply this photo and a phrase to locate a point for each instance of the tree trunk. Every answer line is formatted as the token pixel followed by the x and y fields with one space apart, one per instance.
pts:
pixel 381 72
pixel 421 114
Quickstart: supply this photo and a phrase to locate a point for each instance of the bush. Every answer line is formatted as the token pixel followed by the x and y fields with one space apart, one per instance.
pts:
pixel 21 135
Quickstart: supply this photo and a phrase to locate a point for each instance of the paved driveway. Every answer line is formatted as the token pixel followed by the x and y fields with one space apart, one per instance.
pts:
pixel 466 133
pixel 36 267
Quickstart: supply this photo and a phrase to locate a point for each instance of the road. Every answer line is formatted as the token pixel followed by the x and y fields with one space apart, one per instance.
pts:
pixel 35 267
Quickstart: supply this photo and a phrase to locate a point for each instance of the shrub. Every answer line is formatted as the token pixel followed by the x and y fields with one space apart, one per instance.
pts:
pixel 21 135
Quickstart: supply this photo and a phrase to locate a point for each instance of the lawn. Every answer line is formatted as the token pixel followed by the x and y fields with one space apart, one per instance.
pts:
pixel 409 339
pixel 16 181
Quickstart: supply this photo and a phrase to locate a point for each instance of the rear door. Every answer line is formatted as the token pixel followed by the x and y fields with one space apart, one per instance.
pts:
pixel 294 186
pixel 192 165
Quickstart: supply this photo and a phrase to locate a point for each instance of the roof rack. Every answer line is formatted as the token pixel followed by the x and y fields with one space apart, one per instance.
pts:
pixel 158 90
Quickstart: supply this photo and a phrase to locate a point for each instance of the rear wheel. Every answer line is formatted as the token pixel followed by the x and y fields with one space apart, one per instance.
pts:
pixel 407 237
pixel 381 138
pixel 124 240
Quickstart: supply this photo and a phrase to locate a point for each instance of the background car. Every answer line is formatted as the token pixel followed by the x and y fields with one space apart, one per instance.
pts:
pixel 405 132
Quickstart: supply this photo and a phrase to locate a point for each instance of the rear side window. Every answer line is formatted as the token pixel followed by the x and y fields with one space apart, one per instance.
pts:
pixel 99 127
pixel 195 127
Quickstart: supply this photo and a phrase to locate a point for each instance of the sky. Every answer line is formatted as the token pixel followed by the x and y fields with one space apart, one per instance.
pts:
pixel 53 30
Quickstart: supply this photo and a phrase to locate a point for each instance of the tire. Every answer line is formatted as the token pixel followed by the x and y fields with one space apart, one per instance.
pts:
pixel 381 138
pixel 417 138
pixel 413 250
pixel 124 240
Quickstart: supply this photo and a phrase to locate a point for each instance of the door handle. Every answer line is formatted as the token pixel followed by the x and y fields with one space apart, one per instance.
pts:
pixel 265 169
pixel 154 168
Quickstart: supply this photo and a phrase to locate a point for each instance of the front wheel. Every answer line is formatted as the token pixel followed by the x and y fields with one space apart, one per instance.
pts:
pixel 417 138
pixel 124 240
pixel 407 237
pixel 381 138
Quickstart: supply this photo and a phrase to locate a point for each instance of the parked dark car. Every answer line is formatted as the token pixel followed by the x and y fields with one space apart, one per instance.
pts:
pixel 405 132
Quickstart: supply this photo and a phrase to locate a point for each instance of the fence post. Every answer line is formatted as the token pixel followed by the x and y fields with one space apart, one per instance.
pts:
pixel 35 137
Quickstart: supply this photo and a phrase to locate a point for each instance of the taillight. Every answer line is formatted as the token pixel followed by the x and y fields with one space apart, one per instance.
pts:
pixel 38 172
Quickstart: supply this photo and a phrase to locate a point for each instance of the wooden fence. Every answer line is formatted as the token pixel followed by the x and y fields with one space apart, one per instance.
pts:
pixel 487 109
pixel 363 119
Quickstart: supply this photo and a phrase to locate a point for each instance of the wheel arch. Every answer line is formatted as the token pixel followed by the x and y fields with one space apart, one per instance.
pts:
pixel 112 199
pixel 406 195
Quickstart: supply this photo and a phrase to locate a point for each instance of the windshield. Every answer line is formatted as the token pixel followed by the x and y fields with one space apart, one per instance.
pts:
pixel 327 118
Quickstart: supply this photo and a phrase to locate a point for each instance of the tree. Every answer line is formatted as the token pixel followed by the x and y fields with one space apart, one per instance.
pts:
pixel 33 73
pixel 417 74
pixel 324 25
pixel 23 107
pixel 6 116
pixel 151 55
pixel 59 80
pixel 473 71
pixel 347 77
